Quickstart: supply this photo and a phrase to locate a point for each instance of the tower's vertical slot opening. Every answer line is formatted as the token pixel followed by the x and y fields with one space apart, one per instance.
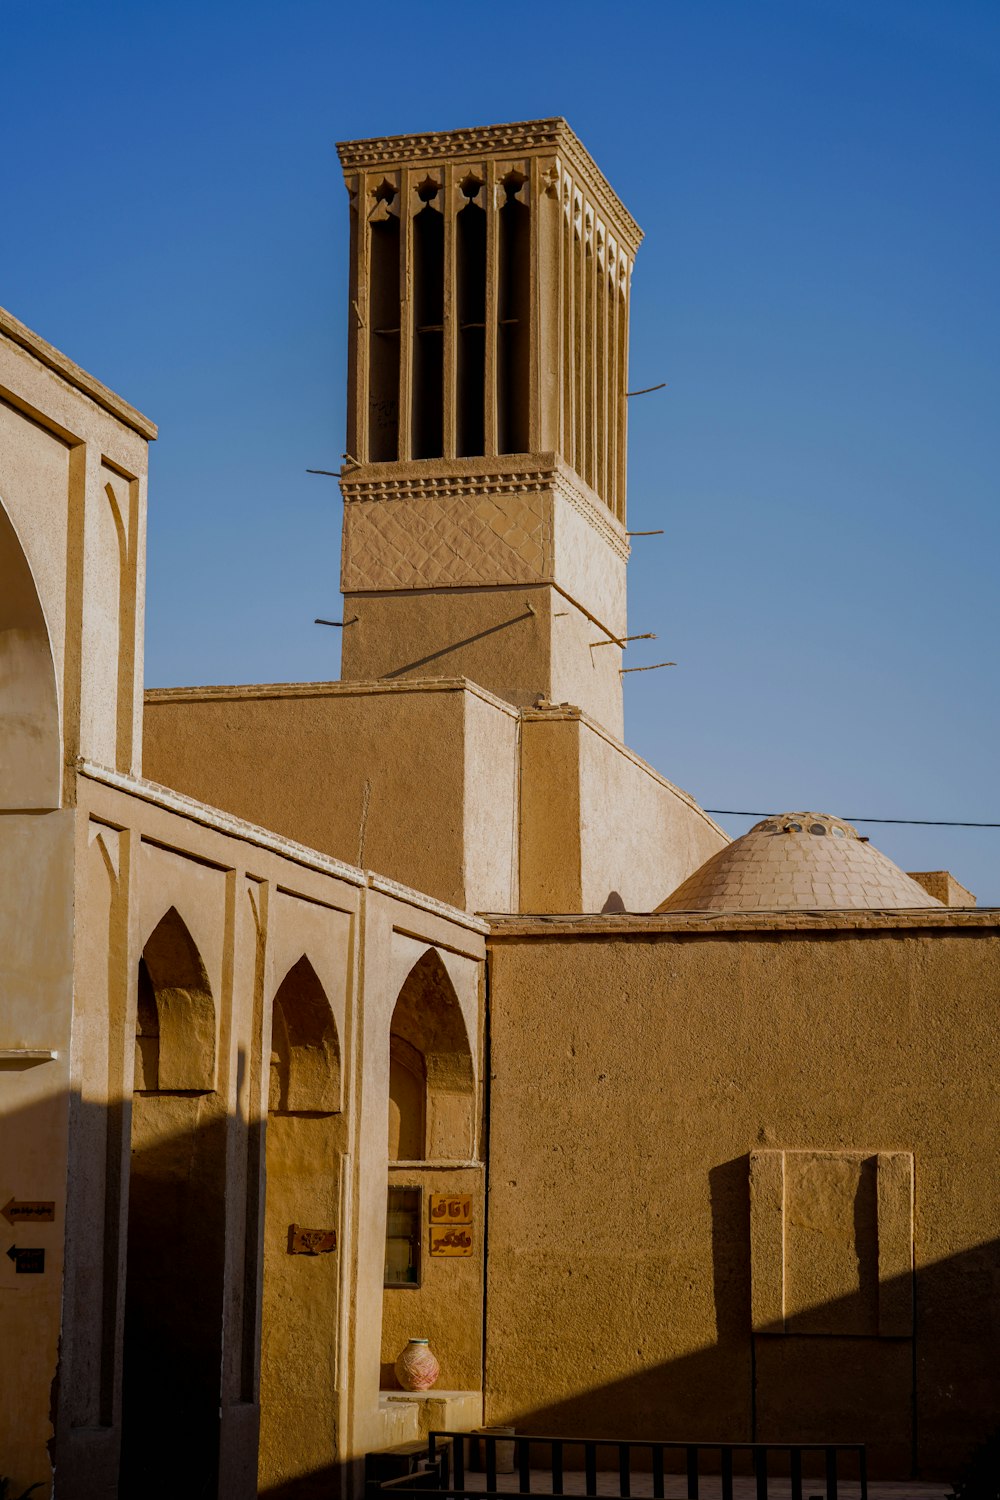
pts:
pixel 383 350
pixel 569 355
pixel 601 374
pixel 427 432
pixel 514 319
pixel 590 355
pixel 470 248
pixel 579 338
pixel 621 402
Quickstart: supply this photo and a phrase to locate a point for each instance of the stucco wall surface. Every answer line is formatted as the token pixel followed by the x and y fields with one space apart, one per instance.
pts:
pixel 299 760
pixel 600 829
pixel 447 1307
pixel 636 1070
pixel 73 460
pixel 497 637
pixel 179 1144
pixel 36 982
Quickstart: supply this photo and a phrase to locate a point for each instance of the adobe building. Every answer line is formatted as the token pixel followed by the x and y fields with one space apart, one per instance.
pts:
pixel 288 971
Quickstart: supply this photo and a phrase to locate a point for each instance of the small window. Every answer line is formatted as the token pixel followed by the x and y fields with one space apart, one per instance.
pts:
pixel 402 1237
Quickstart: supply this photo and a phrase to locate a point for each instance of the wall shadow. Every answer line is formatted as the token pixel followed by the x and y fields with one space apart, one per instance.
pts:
pixel 953 1382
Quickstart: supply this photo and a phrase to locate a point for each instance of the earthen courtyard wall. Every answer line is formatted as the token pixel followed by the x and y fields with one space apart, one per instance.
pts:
pixel 637 1066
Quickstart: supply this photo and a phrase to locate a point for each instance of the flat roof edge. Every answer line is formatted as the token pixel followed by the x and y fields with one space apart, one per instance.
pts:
pixel 841 919
pixel 252 691
pixel 60 364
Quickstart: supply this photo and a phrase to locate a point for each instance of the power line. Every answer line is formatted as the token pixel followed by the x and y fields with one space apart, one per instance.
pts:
pixel 733 812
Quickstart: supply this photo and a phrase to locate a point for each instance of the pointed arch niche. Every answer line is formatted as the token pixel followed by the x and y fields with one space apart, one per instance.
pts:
pixel 303 1154
pixel 432 1087
pixel 175 1262
pixel 432 1130
pixel 30 748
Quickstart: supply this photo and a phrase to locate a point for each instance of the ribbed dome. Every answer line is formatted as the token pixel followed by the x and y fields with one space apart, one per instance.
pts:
pixel 799 860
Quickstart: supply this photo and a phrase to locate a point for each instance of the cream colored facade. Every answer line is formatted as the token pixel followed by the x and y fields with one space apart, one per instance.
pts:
pixel 192 1007
pixel 733 1144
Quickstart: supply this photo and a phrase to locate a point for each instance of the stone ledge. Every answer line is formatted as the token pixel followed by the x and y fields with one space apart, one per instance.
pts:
pixel 669 924
pixel 46 354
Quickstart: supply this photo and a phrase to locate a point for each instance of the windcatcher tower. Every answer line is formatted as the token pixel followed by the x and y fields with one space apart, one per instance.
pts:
pixel 484 485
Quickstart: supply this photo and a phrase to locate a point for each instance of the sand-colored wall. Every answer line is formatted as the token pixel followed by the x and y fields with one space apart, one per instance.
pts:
pixel 72 496
pixel 182 1192
pixel 586 664
pixel 36 979
pixel 441 786
pixel 395 941
pixel 520 644
pixel 599 827
pixel 73 460
pixel 498 637
pixel 636 1071
pixel 413 780
pixel 447 1307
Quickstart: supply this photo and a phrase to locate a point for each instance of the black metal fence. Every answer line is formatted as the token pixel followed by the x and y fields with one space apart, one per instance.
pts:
pixel 803 1470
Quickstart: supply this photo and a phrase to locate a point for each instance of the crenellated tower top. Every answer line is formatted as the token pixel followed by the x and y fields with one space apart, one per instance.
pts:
pixel 489 298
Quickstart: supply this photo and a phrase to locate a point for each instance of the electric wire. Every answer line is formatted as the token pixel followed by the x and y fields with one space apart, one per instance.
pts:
pixel 733 812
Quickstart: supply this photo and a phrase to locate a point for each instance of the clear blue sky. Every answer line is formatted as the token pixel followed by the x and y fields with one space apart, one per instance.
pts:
pixel 818 182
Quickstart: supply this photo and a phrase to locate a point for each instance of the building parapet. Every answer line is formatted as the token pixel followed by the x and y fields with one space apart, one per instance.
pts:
pixel 670 924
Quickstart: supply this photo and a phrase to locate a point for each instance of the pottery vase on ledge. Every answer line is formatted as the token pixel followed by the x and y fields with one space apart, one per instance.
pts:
pixel 416 1368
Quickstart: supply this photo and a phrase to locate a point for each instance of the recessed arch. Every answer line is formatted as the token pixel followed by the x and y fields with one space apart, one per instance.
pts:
pixel 173 980
pixel 428 1024
pixel 305 1048
pixel 407 1101
pixel 176 1238
pixel 30 740
pixel 303 1156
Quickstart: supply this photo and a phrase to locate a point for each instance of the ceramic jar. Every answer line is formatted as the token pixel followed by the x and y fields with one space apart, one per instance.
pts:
pixel 416 1368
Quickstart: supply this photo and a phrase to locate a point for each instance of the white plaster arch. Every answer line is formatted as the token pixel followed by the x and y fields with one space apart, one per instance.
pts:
pixel 30 731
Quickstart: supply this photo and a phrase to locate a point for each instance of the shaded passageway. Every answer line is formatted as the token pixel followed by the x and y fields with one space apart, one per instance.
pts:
pixel 300 1314
pixel 175 1261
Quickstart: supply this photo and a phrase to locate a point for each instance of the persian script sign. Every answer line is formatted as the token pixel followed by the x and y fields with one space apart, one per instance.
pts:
pixel 451 1208
pixel 37 1212
pixel 27 1262
pixel 452 1239
pixel 310 1241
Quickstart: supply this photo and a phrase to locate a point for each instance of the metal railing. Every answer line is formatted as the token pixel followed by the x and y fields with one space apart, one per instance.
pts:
pixel 445 1472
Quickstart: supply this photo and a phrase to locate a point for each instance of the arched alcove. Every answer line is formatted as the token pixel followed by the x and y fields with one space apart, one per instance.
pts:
pixel 429 1053
pixel 175 1257
pixel 30 742
pixel 185 1014
pixel 431 1148
pixel 407 1101
pixel 305 1052
pixel 303 1151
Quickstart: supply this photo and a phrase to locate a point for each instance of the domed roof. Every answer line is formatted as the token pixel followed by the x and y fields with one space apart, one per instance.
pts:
pixel 795 861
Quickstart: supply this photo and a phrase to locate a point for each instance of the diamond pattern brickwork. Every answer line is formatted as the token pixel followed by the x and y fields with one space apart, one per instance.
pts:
pixel 447 541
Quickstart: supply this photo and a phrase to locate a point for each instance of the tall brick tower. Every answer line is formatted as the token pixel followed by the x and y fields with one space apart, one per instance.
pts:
pixel 484 487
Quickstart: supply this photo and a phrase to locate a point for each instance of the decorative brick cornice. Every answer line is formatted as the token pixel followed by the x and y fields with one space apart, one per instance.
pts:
pixel 522 138
pixel 554 477
pixel 593 511
pixel 447 486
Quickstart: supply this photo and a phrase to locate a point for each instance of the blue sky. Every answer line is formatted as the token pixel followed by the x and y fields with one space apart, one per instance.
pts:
pixel 818 183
